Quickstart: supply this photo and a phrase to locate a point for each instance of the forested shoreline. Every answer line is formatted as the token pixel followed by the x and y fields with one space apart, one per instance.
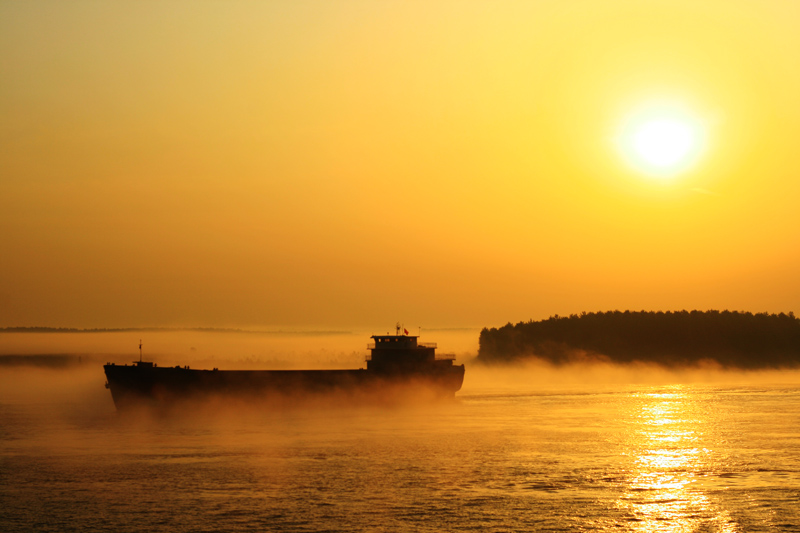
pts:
pixel 730 338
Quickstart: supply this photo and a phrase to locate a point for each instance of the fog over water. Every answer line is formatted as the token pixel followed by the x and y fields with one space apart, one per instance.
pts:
pixel 533 447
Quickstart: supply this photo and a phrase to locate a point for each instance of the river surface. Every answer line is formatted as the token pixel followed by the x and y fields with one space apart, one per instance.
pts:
pixel 665 457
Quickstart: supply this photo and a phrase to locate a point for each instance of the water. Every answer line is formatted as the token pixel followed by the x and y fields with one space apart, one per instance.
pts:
pixel 674 458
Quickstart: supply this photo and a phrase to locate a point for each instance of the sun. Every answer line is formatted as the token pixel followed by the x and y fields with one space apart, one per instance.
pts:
pixel 661 142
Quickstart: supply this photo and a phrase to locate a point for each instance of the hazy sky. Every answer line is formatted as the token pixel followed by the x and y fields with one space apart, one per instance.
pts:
pixel 338 163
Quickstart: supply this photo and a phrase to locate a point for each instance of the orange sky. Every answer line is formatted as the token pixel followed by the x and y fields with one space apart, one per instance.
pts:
pixel 306 164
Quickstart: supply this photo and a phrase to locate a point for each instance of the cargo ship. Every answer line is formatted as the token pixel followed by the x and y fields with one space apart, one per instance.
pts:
pixel 397 365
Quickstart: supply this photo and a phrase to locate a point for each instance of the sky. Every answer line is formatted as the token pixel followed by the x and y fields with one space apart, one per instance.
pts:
pixel 306 164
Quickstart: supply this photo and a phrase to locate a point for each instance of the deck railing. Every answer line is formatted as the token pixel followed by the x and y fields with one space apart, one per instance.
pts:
pixel 439 357
pixel 371 345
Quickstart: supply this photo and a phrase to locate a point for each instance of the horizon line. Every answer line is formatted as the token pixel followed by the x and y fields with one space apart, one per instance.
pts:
pixel 52 329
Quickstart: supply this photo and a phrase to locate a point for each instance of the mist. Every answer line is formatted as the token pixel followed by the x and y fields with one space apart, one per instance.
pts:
pixel 533 376
pixel 66 368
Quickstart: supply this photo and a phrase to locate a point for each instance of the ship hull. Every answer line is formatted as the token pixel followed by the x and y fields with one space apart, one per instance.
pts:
pixel 136 386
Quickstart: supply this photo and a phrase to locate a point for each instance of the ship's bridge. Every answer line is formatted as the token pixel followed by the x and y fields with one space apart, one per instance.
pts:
pixel 394 351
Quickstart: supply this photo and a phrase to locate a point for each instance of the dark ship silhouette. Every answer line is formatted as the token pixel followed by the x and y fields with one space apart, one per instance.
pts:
pixel 398 364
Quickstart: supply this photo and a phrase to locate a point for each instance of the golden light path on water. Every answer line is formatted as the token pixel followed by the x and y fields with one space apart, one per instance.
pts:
pixel 668 456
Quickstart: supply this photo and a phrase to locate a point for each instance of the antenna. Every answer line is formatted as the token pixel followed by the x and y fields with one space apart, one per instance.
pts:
pixel 140 350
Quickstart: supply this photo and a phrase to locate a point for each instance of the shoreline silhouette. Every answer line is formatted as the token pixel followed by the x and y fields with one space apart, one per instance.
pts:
pixel 732 339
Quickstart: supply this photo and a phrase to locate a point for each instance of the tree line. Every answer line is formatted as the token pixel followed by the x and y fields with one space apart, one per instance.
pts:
pixel 731 338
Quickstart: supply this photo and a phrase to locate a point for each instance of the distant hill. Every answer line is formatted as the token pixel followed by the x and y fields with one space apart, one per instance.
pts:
pixel 731 338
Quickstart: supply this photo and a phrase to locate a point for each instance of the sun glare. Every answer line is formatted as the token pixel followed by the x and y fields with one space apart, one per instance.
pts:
pixel 661 142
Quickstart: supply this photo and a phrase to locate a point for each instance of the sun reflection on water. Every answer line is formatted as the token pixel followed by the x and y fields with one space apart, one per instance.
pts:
pixel 667 458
